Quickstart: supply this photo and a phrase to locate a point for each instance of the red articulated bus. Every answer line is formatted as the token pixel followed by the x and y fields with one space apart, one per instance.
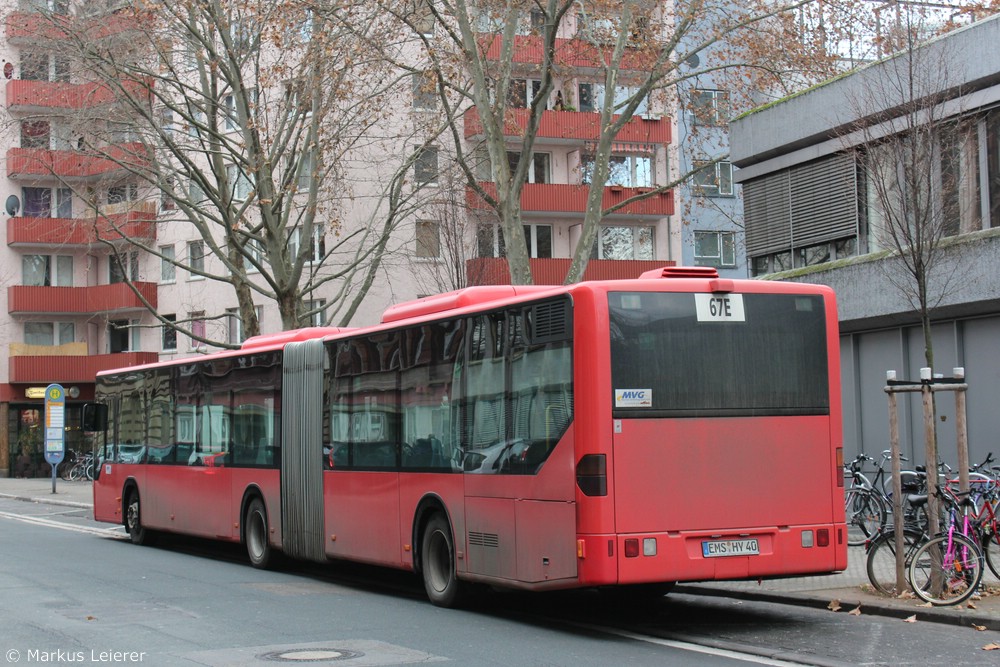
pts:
pixel 630 433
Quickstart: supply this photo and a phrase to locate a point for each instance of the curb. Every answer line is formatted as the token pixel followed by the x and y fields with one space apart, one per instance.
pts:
pixel 47 501
pixel 944 615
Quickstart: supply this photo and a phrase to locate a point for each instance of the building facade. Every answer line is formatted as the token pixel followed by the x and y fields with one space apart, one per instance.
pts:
pixel 77 294
pixel 819 207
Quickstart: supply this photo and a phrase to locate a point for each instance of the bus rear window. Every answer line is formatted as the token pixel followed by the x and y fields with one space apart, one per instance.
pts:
pixel 686 354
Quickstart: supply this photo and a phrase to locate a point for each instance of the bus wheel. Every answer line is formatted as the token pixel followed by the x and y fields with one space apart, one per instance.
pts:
pixel 437 564
pixel 138 533
pixel 258 547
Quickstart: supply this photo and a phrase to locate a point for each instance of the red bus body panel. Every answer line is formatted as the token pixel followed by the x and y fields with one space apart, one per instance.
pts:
pixel 672 483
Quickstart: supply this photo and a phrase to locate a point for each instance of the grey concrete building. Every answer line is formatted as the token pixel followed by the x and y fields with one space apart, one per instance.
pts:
pixel 814 213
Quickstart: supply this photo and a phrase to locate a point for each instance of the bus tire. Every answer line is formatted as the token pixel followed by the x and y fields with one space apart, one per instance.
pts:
pixel 437 564
pixel 256 536
pixel 138 533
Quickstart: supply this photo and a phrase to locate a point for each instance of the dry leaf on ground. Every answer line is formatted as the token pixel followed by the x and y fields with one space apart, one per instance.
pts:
pixel 834 605
pixel 910 619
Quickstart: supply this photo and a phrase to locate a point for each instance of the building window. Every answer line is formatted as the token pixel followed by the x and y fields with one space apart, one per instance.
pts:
pixel 713 180
pixel 36 271
pixel 591 96
pixel 35 134
pixel 64 203
pixel 307 167
pixel 428 239
pixel 196 259
pixel 317 247
pixel 253 256
pixel 37 202
pixel 197 319
pixel 623 242
pixel 168 270
pixel 538 170
pixel 230 117
pixel 537 237
pixel 119 194
pixel 240 184
pixel 168 335
pixel 425 166
pixel 236 332
pixel 118 336
pixel 521 92
pixel 424 91
pixel 315 312
pixel 49 333
pixel 716 249
pixel 297 100
pixel 123 267
pixel 630 171
pixel 710 107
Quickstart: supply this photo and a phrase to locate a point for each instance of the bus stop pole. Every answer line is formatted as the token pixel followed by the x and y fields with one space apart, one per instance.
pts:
pixel 897 487
pixel 961 432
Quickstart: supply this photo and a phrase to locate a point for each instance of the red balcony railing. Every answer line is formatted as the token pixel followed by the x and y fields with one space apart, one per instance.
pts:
pixel 560 198
pixel 25 95
pixel 34 162
pixel 74 231
pixel 45 369
pixel 494 271
pixel 29 27
pixel 26 27
pixel 570 53
pixel 118 297
pixel 574 125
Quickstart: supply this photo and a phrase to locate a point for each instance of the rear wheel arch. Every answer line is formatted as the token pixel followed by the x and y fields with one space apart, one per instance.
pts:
pixel 428 506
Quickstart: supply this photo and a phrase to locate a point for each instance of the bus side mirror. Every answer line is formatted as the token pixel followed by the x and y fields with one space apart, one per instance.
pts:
pixel 95 417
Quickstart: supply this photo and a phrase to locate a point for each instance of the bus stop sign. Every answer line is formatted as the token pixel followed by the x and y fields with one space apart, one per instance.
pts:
pixel 55 427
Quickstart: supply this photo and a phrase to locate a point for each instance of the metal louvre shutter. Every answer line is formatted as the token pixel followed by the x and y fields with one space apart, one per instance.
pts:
pixel 801 206
pixel 768 214
pixel 824 200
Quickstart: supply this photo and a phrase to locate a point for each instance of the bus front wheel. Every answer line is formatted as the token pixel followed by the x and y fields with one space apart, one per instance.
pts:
pixel 258 547
pixel 138 533
pixel 437 560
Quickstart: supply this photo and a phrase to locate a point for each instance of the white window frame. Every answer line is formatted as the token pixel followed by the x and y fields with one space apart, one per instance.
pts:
pixel 166 331
pixel 720 174
pixel 421 248
pixel 710 107
pixel 168 270
pixel 725 242
pixel 195 262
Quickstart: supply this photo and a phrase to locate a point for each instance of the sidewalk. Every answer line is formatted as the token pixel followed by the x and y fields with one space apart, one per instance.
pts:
pixel 849 589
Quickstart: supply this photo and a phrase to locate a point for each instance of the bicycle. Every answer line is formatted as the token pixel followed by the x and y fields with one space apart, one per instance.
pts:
pixel 948 568
pixel 868 504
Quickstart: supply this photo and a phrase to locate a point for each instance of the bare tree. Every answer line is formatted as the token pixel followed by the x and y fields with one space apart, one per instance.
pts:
pixel 638 53
pixel 245 120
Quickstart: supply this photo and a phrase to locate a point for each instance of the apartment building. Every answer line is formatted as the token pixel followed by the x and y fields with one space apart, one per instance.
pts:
pixel 816 211
pixel 77 294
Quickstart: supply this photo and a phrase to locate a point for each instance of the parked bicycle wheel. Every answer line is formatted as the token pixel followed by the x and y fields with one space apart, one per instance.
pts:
pixel 866 515
pixel 991 551
pixel 946 570
pixel 881 563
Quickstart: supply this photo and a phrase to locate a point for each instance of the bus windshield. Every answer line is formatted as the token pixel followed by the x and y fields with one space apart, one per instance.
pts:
pixel 684 354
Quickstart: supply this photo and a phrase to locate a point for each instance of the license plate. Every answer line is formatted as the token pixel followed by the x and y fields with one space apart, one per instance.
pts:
pixel 716 548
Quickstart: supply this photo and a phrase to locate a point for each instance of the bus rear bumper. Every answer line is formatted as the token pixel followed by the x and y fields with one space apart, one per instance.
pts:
pixel 712 555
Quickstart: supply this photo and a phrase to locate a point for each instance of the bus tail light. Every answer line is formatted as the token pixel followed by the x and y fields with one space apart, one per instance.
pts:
pixel 631 548
pixel 592 475
pixel 840 466
pixel 823 537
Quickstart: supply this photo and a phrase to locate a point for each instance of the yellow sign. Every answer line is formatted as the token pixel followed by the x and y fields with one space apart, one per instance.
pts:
pixel 34 392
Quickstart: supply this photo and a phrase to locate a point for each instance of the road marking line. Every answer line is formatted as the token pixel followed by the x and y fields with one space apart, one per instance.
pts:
pixel 116 531
pixel 694 648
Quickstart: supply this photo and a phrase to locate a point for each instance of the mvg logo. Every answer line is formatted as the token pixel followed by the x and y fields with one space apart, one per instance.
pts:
pixel 633 398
